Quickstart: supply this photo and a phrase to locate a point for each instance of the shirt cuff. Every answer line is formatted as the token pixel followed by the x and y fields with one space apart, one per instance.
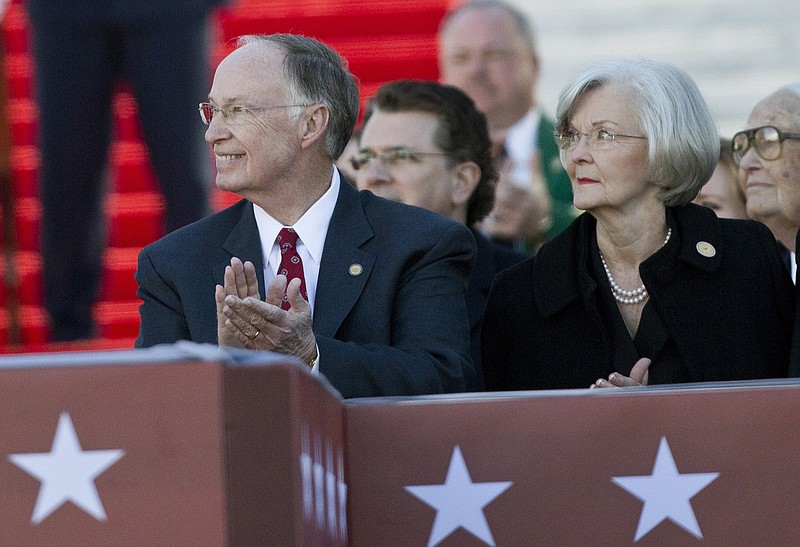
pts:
pixel 315 363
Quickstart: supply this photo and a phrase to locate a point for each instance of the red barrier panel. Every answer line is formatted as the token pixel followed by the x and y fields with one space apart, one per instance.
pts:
pixel 188 445
pixel 161 448
pixel 583 467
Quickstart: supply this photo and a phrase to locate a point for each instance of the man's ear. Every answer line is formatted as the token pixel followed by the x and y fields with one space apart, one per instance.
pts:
pixel 315 122
pixel 537 66
pixel 466 176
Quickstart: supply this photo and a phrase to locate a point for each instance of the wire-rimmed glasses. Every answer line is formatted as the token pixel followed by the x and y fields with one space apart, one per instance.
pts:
pixel 597 139
pixel 235 114
pixel 394 157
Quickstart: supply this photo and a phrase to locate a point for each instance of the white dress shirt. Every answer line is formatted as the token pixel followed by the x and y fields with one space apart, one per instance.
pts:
pixel 521 139
pixel 312 229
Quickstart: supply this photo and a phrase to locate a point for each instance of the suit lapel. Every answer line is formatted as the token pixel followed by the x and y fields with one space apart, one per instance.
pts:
pixel 345 266
pixel 244 243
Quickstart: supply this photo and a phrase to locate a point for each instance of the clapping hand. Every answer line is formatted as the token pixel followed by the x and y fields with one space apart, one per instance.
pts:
pixel 245 321
pixel 639 376
pixel 520 210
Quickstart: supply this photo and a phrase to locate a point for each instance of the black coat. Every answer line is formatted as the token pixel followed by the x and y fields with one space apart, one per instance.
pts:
pixel 491 258
pixel 729 315
pixel 794 362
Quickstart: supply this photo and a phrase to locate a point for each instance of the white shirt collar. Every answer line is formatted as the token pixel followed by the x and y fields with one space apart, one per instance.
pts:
pixel 311 228
pixel 521 139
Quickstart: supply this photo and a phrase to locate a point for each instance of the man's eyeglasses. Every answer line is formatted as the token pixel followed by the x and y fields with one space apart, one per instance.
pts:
pixel 767 140
pixel 394 158
pixel 598 139
pixel 235 114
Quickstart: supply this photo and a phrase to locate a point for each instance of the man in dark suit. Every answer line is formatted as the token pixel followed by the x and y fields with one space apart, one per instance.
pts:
pixel 487 48
pixel 768 153
pixel 81 49
pixel 769 164
pixel 378 303
pixel 426 144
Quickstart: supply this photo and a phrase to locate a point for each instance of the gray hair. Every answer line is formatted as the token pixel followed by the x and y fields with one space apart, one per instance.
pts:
pixel 683 139
pixel 790 89
pixel 793 87
pixel 521 21
pixel 315 73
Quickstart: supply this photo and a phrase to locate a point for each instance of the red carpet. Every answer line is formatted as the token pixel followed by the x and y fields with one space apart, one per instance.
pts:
pixel 381 40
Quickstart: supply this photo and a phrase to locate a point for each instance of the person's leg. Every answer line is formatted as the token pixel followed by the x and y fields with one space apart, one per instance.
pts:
pixel 168 67
pixel 74 78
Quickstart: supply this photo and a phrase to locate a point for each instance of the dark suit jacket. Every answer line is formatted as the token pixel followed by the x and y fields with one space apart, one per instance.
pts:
pixel 398 328
pixel 730 315
pixel 491 259
pixel 794 361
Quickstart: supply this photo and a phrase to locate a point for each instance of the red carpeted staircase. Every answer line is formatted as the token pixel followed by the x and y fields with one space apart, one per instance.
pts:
pixel 382 40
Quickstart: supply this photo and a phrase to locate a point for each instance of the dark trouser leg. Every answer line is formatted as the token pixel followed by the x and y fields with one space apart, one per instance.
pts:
pixel 168 67
pixel 74 76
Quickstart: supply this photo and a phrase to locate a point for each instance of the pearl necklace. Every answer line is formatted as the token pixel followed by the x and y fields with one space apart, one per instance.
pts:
pixel 621 295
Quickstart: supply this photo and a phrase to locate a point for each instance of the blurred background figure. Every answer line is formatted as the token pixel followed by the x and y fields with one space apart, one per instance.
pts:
pixel 722 193
pixel 768 152
pixel 82 49
pixel 425 144
pixel 487 48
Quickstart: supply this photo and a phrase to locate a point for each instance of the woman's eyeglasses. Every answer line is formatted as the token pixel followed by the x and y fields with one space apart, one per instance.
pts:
pixel 597 139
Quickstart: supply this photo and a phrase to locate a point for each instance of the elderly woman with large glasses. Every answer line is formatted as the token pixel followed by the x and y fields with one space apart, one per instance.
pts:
pixel 645 287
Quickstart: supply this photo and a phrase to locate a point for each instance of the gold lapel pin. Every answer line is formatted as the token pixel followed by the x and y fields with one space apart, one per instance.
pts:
pixel 355 269
pixel 706 249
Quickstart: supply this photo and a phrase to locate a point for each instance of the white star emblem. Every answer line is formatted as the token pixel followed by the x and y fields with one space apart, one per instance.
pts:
pixel 666 493
pixel 459 502
pixel 67 473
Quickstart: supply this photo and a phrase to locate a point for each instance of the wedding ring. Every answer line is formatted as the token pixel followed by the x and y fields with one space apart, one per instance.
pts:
pixel 255 335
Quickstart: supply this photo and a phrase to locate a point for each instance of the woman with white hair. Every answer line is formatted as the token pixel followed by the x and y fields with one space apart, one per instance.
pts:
pixel 644 287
